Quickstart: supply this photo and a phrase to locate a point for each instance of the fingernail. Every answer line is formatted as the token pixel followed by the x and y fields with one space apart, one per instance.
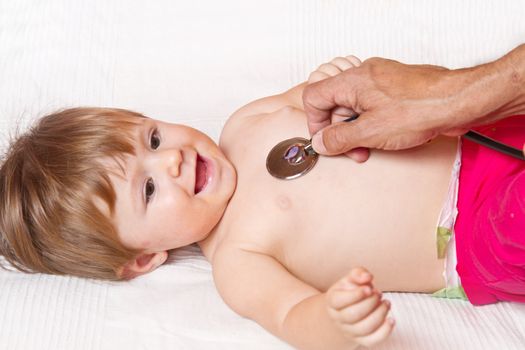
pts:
pixel 387 303
pixel 365 275
pixel 317 143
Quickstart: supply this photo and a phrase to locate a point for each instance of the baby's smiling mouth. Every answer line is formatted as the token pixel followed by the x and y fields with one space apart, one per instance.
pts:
pixel 201 174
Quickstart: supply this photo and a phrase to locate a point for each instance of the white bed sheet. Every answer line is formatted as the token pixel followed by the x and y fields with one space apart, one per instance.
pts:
pixel 195 62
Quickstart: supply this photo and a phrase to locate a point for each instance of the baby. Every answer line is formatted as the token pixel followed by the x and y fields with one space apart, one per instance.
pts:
pixel 106 193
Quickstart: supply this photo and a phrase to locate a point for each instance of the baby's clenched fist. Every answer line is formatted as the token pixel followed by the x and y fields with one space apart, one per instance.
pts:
pixel 334 67
pixel 358 308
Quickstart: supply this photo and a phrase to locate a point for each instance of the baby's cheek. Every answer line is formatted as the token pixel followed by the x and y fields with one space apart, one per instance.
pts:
pixel 144 243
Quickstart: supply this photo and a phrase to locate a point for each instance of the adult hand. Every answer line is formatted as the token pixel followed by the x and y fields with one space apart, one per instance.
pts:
pixel 403 106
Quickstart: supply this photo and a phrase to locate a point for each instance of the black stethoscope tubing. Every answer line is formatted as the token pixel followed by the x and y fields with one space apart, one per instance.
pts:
pixel 483 140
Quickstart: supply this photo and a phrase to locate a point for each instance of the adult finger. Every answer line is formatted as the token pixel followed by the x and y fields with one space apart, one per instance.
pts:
pixel 318 102
pixel 340 137
pixel 455 132
pixel 340 114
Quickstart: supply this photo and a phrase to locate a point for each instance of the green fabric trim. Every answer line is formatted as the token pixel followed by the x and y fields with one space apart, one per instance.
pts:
pixel 443 236
pixel 451 293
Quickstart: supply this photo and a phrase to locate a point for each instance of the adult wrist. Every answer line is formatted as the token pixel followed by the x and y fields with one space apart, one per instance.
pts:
pixel 515 60
pixel 476 94
pixel 490 91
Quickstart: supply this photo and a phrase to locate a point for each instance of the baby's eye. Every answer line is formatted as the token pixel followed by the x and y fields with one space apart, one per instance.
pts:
pixel 149 190
pixel 154 141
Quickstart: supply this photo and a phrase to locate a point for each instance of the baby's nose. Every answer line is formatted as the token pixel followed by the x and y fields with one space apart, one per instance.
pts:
pixel 173 159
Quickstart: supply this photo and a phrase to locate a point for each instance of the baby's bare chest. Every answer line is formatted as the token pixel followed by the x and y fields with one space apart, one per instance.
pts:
pixel 340 215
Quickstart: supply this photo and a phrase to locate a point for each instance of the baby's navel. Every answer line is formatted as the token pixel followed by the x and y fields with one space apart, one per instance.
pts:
pixel 283 202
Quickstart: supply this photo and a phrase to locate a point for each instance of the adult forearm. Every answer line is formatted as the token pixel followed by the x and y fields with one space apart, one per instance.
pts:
pixel 309 326
pixel 491 91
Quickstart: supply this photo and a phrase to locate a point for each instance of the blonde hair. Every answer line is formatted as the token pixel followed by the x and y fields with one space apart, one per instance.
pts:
pixel 50 179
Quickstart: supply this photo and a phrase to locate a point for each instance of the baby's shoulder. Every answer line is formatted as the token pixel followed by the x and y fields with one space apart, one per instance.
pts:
pixel 249 114
pixel 271 104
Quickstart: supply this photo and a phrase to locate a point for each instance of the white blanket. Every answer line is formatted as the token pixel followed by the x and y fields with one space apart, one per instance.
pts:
pixel 195 62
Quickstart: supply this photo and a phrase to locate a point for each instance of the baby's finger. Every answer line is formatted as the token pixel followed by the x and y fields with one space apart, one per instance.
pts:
pixel 355 61
pixel 370 323
pixel 317 76
pixel 379 335
pixel 358 311
pixel 360 275
pixel 340 298
pixel 361 154
pixel 357 276
pixel 329 69
pixel 342 63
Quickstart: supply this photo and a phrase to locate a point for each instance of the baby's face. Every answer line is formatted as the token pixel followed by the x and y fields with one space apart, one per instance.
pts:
pixel 174 190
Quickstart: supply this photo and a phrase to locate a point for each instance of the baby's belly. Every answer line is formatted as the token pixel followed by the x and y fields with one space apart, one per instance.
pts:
pixel 401 255
pixel 381 214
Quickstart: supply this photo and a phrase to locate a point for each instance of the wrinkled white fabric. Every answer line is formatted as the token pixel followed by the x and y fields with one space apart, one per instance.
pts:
pixel 195 62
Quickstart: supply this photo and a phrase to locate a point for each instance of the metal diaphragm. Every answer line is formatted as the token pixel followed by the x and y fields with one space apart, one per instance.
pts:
pixel 291 158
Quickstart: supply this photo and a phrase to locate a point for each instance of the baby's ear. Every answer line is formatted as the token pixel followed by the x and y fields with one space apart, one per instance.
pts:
pixel 142 264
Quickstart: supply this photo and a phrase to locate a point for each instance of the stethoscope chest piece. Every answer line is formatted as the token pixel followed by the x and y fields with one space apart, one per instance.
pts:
pixel 291 158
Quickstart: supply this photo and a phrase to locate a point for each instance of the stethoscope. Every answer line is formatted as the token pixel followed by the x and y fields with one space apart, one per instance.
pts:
pixel 295 157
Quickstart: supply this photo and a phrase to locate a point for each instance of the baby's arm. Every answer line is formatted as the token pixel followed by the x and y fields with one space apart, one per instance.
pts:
pixel 258 287
pixel 293 97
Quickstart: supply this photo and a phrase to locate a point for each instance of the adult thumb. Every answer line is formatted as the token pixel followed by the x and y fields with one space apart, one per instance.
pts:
pixel 336 139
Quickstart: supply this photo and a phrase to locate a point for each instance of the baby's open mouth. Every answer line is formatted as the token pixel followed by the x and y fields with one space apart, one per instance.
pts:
pixel 201 174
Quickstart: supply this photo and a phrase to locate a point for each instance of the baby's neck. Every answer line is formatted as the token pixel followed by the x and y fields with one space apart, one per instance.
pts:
pixel 209 244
